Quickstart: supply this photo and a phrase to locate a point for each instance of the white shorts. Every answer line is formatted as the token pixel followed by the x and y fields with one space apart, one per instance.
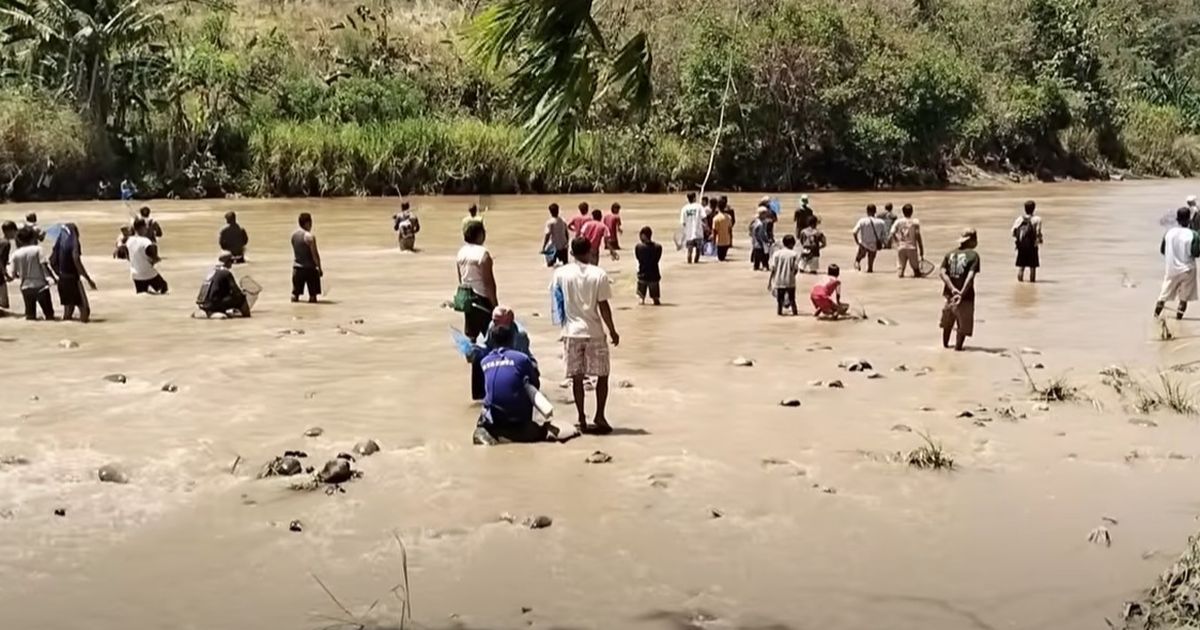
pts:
pixel 586 357
pixel 1179 288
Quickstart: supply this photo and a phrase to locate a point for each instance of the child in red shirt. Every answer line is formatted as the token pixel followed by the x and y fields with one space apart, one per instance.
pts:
pixel 826 296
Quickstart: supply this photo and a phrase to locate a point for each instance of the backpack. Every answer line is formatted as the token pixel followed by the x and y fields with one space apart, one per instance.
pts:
pixel 1026 234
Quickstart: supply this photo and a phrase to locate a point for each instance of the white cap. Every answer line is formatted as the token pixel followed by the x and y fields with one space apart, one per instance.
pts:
pixel 1191 200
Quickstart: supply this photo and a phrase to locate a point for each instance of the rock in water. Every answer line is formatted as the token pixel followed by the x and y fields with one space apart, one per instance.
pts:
pixel 743 362
pixel 599 457
pixel 366 448
pixel 116 378
pixel 283 467
pixel 1100 536
pixel 313 432
pixel 112 473
pixel 170 388
pixel 60 511
pixel 855 365
pixel 625 384
pixel 539 522
pixel 790 402
pixel 335 471
pixel 874 375
pixel 883 321
pixel 296 526
pixel 835 385
pixel 68 344
pixel 903 428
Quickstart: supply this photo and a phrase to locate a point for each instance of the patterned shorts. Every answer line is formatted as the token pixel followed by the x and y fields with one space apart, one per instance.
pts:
pixel 586 357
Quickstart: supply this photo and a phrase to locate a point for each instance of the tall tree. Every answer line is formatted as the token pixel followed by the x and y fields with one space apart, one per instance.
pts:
pixel 561 65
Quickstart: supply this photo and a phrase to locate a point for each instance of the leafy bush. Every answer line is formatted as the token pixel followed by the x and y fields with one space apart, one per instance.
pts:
pixel 1156 141
pixel 39 140
pixel 359 100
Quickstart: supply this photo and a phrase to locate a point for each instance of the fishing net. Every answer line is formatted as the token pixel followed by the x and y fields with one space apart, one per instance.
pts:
pixel 251 289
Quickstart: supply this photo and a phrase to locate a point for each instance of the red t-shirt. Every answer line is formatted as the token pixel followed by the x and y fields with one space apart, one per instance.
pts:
pixel 595 232
pixel 613 223
pixel 825 290
pixel 576 223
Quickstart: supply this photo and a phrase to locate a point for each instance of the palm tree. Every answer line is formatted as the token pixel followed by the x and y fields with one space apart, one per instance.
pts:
pixel 561 65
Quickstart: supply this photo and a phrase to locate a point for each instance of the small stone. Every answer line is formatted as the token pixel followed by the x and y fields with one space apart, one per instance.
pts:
pixel 883 321
pixel 525 610
pixel 314 432
pixel 743 362
pixel 874 376
pixel 60 511
pixel 835 385
pixel 116 378
pixel 926 408
pixel 292 331
pixel 598 457
pixel 170 388
pixel 539 522
pixel 535 314
pixel 790 402
pixel 903 428
pixel 366 448
pixel 966 414
pixel 346 456
pixel 296 526
pixel 816 383
pixel 309 395
pixel 1041 407
pixel 829 490
pixel 68 344
pixel 34 398
pixel 855 365
pixel 625 384
pixel 1038 366
pixel 1100 536
pixel 900 368
pixel 335 471
pixel 358 321
pixel 112 473
pixel 1143 422
pixel 298 454
pixel 715 513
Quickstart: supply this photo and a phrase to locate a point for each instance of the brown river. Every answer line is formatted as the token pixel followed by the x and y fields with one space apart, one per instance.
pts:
pixel 817 527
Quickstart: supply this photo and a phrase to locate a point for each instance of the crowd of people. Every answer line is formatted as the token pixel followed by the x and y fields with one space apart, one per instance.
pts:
pixel 504 374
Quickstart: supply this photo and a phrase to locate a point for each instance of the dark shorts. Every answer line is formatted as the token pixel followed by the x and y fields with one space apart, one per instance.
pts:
pixel 1028 257
pixel 560 256
pixel 652 288
pixel 226 305
pixel 722 252
pixel 304 278
pixel 961 316
pixel 156 284
pixel 488 434
pixel 70 292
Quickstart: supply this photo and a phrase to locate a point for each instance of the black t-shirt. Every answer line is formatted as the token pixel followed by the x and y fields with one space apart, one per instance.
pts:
pixel 801 217
pixel 648 255
pixel 958 264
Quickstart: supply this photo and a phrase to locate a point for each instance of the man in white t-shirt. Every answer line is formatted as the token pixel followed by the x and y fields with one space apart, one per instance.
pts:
pixel 870 233
pixel 691 220
pixel 143 256
pixel 586 290
pixel 1180 248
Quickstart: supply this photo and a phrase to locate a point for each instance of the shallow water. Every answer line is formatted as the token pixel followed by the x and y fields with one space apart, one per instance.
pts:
pixel 999 543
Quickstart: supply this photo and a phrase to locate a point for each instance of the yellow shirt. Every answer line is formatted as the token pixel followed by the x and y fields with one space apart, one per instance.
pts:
pixel 723 230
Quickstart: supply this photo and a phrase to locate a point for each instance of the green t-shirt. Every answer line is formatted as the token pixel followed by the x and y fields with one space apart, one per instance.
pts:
pixel 958 264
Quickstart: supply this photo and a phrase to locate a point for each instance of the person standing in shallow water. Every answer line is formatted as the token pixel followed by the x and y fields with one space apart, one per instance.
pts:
pixel 477 295
pixel 1180 248
pixel 910 247
pixel 556 241
pixel 785 264
pixel 407 225
pixel 67 262
pixel 691 221
pixel 869 234
pixel 648 254
pixel 233 238
pixel 306 261
pixel 143 256
pixel 959 269
pixel 1027 232
pixel 586 290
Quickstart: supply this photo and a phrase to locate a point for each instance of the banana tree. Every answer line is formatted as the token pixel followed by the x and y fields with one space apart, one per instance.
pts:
pixel 561 64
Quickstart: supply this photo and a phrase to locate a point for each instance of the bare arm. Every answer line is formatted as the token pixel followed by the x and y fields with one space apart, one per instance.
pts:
pixel 546 239
pixel 316 254
pixel 606 314
pixel 920 241
pixel 947 283
pixel 970 282
pixel 82 271
pixel 487 267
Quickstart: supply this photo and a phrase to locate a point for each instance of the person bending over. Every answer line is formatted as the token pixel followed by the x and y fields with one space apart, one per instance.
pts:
pixel 220 292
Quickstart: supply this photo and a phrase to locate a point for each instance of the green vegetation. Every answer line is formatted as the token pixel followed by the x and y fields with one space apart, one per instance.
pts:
pixel 346 97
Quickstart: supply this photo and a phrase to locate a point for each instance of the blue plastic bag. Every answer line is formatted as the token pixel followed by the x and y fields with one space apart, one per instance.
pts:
pixel 558 305
pixel 710 249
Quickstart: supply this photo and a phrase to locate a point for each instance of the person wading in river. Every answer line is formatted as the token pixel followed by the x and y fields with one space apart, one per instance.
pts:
pixel 143 256
pixel 306 261
pixel 67 262
pixel 220 293
pixel 959 269
pixel 9 229
pixel 910 247
pixel 691 221
pixel 869 234
pixel 476 296
pixel 1027 232
pixel 556 241
pixel 577 221
pixel 407 225
pixel 233 238
pixel 586 290
pixel 1180 247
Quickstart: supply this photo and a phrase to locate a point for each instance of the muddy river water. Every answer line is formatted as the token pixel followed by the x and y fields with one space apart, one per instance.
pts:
pixel 818 529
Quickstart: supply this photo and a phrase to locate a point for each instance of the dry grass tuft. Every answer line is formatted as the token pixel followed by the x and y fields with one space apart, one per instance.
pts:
pixel 930 456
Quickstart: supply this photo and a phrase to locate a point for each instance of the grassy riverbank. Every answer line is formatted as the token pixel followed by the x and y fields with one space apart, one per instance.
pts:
pixel 282 97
